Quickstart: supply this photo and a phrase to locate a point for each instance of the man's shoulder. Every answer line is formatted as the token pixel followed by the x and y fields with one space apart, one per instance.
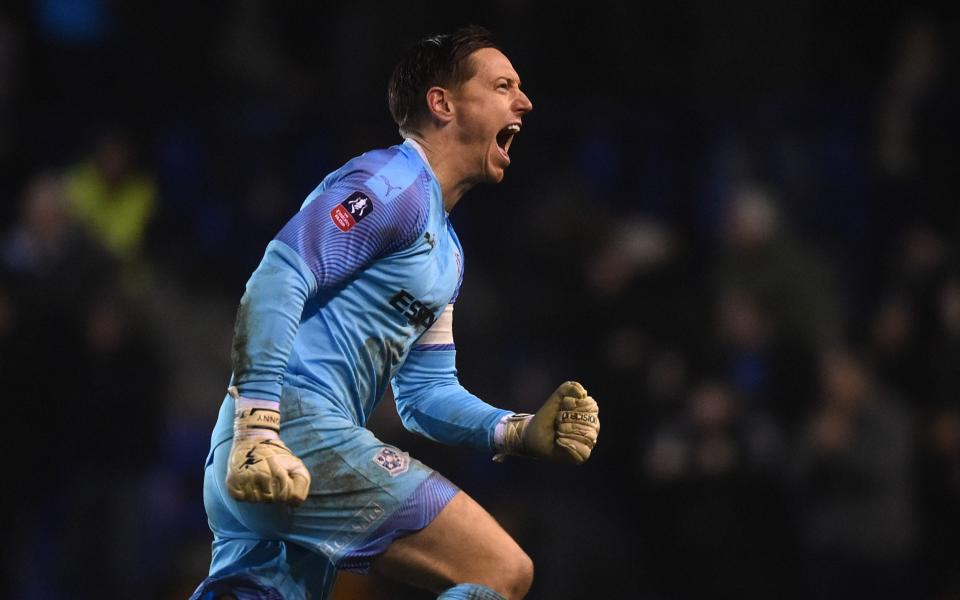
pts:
pixel 376 162
pixel 387 173
pixel 371 161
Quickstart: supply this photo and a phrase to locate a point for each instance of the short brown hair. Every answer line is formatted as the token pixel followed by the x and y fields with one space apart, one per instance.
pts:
pixel 437 60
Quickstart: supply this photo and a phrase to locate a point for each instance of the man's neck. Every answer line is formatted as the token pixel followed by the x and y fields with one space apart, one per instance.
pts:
pixel 448 172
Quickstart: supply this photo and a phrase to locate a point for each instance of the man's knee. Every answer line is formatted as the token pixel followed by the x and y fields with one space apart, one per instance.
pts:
pixel 522 576
pixel 514 575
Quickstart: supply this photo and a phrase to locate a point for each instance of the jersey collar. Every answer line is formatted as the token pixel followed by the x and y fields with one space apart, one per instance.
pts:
pixel 411 143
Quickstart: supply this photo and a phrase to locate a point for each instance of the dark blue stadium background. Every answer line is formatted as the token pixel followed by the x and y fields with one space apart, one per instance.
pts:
pixel 736 223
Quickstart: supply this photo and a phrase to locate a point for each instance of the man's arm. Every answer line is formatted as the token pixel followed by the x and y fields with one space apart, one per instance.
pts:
pixel 431 402
pixel 430 399
pixel 261 467
pixel 268 320
pixel 335 235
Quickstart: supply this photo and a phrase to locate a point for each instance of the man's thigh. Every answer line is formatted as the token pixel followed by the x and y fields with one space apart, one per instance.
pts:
pixel 462 544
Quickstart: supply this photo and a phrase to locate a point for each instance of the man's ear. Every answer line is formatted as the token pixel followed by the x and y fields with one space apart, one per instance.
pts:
pixel 439 105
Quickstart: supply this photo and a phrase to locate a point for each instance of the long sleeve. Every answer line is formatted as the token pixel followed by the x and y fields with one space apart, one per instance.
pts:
pixel 430 399
pixel 268 320
pixel 336 234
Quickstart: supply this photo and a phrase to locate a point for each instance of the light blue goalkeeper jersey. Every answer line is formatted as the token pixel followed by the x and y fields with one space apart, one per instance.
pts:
pixel 356 291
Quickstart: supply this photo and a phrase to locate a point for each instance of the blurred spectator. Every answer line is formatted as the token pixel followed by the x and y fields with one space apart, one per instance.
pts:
pixel 921 258
pixel 771 370
pixel 635 247
pixel 45 237
pixel 856 477
pixel 51 273
pixel 895 349
pixel 918 125
pixel 775 302
pixel 712 478
pixel 906 323
pixel 760 257
pixel 115 203
pixel 714 436
pixel 51 267
pixel 118 365
pixel 915 69
pixel 645 319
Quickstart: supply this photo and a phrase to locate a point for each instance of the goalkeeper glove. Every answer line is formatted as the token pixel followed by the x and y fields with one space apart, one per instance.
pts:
pixel 261 467
pixel 565 429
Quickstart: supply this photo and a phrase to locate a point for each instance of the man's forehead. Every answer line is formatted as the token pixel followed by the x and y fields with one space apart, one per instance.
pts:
pixel 492 63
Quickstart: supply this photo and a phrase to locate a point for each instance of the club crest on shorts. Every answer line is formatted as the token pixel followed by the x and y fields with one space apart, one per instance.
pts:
pixel 351 211
pixel 393 462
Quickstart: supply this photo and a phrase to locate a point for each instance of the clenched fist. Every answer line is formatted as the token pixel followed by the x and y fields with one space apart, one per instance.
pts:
pixel 261 468
pixel 565 429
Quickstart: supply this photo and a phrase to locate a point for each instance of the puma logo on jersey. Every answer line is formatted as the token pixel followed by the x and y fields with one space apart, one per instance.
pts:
pixel 390 188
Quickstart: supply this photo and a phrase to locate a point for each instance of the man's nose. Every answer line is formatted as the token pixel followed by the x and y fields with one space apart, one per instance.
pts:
pixel 523 103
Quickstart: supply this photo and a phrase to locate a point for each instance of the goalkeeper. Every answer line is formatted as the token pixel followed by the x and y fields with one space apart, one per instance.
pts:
pixel 356 292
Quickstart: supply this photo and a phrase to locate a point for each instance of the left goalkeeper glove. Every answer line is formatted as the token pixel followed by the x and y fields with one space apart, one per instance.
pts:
pixel 565 429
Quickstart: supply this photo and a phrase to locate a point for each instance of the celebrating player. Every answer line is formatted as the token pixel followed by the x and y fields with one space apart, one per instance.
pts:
pixel 355 292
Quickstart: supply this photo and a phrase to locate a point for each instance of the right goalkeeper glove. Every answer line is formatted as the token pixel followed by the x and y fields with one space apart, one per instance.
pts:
pixel 565 429
pixel 261 468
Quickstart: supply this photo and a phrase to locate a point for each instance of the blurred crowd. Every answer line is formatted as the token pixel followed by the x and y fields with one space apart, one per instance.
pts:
pixel 741 231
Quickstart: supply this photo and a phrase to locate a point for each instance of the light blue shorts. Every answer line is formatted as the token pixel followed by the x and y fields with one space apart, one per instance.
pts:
pixel 363 495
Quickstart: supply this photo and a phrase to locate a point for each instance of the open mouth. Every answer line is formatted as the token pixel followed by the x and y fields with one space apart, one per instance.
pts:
pixel 505 138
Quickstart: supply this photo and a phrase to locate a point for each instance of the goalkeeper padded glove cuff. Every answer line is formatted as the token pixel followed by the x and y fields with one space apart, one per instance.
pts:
pixel 565 429
pixel 508 436
pixel 261 467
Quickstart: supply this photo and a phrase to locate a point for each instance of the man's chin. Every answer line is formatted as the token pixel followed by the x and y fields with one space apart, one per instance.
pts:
pixel 495 173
